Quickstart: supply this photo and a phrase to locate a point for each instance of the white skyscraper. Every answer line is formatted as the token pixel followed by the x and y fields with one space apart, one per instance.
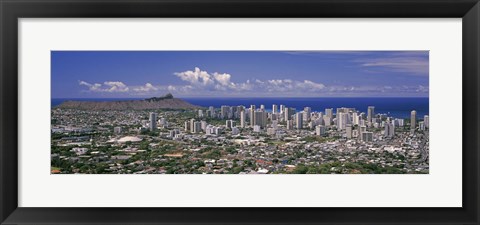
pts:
pixel 327 120
pixel 153 121
pixel 342 121
pixel 252 115
pixel 307 111
pixel 242 118
pixel 282 108
pixel 299 120
pixel 274 108
pixel 355 118
pixel 413 120
pixel 192 125
pixel 329 113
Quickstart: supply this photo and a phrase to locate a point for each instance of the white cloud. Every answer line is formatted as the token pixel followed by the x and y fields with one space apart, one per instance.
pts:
pixel 223 79
pixel 148 87
pixel 108 86
pixel 196 77
pixel 91 87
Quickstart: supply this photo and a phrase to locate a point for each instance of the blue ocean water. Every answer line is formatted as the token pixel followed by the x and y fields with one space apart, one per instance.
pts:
pixel 396 107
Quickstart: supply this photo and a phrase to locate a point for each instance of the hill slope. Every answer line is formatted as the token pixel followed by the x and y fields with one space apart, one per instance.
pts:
pixel 164 102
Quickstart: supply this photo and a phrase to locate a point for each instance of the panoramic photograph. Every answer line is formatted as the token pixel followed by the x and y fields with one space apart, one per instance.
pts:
pixel 239 112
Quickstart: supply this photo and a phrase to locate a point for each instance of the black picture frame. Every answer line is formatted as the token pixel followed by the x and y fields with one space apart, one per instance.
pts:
pixel 12 10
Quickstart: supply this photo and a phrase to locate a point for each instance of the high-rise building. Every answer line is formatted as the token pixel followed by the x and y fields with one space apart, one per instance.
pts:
pixel 370 114
pixel 153 121
pixel 262 107
pixel 192 125
pixel 242 118
pixel 289 113
pixel 225 111
pixel 348 130
pixel 389 130
pixel 426 121
pixel 204 125
pixel 197 127
pixel 413 120
pixel 252 115
pixel 320 130
pixel 355 118
pixel 329 113
pixel 282 108
pixel 200 113
pixel 212 111
pixel 274 109
pixel 342 121
pixel 307 111
pixel 261 118
pixel 289 124
pixel 327 120
pixel 299 120
pixel 187 126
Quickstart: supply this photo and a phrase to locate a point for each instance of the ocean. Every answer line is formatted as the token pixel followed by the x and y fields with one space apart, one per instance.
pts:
pixel 395 107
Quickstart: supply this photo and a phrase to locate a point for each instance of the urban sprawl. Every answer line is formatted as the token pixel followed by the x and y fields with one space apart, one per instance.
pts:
pixel 238 140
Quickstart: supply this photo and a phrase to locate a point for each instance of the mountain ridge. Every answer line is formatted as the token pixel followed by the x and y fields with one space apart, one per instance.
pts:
pixel 163 102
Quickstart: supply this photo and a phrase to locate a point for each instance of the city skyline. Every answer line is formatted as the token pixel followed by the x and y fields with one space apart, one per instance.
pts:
pixel 134 74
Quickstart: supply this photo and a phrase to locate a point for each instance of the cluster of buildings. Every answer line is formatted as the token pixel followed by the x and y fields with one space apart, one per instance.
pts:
pixel 237 139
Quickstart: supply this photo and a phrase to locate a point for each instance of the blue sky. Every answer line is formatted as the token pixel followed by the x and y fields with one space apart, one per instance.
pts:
pixel 138 74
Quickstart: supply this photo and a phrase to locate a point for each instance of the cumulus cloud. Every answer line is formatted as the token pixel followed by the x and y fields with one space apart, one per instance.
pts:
pixel 196 77
pixel 148 87
pixel 91 87
pixel 107 86
pixel 115 86
pixel 223 79
pixel 203 80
